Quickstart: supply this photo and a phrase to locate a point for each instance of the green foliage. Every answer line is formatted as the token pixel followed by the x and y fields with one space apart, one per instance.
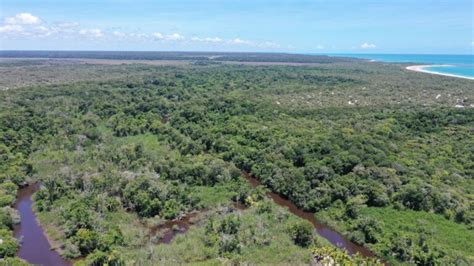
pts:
pixel 71 251
pixel 77 216
pixel 354 205
pixel 6 221
pixel 242 236
pixel 367 230
pixel 153 143
pixel 86 240
pixel 230 225
pixel 408 236
pixel 113 237
pixel 302 233
pixel 416 251
pixel 99 258
pixel 8 244
pixel 229 244
pixel 6 200
pixel 13 262
pixel 331 255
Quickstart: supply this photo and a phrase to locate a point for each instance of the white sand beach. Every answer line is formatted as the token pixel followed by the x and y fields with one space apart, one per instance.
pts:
pixel 421 68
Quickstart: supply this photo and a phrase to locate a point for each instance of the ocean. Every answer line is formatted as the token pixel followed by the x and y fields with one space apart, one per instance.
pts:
pixel 459 65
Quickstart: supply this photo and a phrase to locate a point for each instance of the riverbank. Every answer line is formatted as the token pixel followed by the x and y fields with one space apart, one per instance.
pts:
pixel 35 246
pixel 324 231
pixel 422 69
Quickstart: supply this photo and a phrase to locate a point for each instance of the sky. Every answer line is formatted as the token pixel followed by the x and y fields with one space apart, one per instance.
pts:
pixel 317 26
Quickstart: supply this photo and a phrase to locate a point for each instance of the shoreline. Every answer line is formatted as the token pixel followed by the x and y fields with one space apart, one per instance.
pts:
pixel 421 68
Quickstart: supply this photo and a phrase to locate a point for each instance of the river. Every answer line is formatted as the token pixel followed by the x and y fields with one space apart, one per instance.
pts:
pixel 35 247
pixel 323 230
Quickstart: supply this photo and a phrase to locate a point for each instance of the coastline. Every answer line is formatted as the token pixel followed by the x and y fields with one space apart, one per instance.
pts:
pixel 421 68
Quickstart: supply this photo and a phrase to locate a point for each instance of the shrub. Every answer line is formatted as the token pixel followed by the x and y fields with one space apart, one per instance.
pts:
pixel 302 233
pixel 229 244
pixel 86 240
pixel 8 244
pixel 230 225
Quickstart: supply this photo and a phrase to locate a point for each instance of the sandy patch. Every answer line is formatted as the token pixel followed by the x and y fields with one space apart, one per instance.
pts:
pixel 421 68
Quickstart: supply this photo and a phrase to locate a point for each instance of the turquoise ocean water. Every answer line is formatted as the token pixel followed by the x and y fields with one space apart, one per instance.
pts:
pixel 462 65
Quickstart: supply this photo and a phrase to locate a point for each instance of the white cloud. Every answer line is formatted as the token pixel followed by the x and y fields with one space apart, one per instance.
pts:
pixel 174 37
pixel 67 25
pixel 239 41
pixel 137 35
pixel 95 33
pixel 268 44
pixel 169 37
pixel 11 29
pixel 207 39
pixel 22 19
pixel 367 45
pixel 157 35
pixel 22 24
pixel 119 34
pixel 43 31
pixel 236 41
pixel 215 39
pixel 28 27
pixel 265 44
pixel 320 47
pixel 472 43
pixel 65 29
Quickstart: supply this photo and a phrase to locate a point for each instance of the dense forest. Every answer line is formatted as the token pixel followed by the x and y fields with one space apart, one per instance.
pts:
pixel 370 148
pixel 196 57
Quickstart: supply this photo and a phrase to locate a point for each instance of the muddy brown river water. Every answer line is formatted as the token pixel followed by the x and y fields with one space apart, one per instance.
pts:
pixel 172 228
pixel 323 230
pixel 35 247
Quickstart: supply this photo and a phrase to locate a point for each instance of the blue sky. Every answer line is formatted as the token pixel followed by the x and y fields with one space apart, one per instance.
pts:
pixel 318 26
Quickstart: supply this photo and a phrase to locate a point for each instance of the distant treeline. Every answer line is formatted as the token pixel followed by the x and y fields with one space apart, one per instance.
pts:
pixel 193 56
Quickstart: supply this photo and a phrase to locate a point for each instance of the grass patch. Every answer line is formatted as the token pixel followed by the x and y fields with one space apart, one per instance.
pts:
pixel 453 238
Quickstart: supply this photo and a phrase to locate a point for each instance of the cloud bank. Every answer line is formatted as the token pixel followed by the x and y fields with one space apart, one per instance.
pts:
pixel 26 26
pixel 22 19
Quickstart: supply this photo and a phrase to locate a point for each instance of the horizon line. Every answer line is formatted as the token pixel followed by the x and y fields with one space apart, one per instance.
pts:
pixel 241 52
